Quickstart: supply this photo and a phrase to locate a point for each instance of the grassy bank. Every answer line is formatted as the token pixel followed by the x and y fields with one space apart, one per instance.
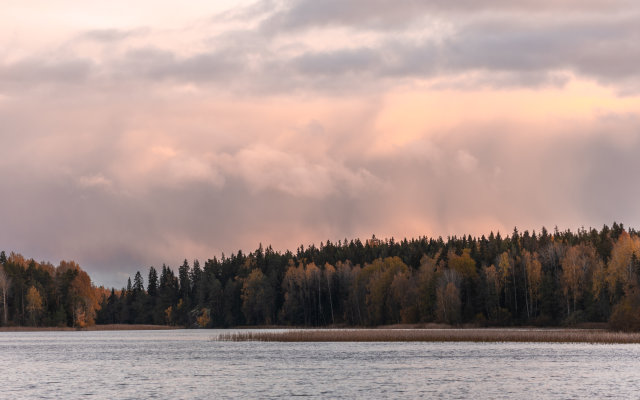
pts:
pixel 436 335
pixel 112 327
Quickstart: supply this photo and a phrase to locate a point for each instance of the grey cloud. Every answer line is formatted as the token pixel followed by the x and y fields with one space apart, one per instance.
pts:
pixel 337 63
pixel 303 14
pixel 258 9
pixel 501 39
pixel 33 71
pixel 484 50
pixel 499 51
pixel 600 48
pixel 157 64
pixel 110 35
pixel 384 14
pixel 503 80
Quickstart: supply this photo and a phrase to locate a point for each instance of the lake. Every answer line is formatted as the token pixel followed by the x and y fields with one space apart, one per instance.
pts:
pixel 188 364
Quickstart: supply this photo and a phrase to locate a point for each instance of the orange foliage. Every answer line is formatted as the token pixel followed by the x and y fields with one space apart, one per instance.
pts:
pixel 204 319
pixel 84 297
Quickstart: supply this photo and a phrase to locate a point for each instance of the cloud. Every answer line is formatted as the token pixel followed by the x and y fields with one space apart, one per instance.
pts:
pixel 266 168
pixel 95 181
pixel 336 63
pixel 499 49
pixel 33 71
pixel 298 15
pixel 466 161
pixel 496 50
pixel 111 35
pixel 156 64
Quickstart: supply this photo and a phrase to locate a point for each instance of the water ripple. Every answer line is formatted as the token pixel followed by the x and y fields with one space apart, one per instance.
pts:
pixel 186 364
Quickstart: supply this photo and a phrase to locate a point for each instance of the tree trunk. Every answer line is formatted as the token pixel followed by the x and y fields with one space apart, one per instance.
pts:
pixel 526 291
pixel 515 292
pixel 4 307
pixel 333 321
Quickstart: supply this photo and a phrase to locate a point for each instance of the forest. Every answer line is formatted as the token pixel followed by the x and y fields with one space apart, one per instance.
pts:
pixel 562 278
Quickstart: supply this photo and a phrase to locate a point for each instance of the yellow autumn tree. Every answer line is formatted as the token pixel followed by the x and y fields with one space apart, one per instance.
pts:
pixel 404 295
pixel 34 304
pixel 448 297
pixel 533 269
pixel 258 298
pixel 377 278
pixel 463 264
pixel 295 309
pixel 572 276
pixel 505 271
pixel 620 273
pixel 84 300
pixel 622 280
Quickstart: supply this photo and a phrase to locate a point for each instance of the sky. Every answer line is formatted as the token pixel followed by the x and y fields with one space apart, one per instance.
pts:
pixel 140 133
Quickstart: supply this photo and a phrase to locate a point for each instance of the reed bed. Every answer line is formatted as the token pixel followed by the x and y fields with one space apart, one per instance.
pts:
pixel 435 335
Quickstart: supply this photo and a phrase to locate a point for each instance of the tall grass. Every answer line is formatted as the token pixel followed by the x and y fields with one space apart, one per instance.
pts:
pixel 435 335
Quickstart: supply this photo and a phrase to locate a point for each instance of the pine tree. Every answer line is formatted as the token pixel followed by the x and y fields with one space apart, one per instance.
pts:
pixel 152 285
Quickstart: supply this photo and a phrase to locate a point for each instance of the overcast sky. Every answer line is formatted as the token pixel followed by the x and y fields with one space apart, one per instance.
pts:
pixel 137 133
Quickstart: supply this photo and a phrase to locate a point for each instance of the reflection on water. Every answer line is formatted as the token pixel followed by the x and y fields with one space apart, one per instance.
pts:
pixel 188 364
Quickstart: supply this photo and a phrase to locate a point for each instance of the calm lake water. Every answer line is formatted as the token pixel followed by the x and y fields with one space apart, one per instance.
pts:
pixel 188 364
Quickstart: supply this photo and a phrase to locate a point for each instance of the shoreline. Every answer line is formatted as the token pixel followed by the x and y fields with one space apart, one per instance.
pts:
pixel 110 327
pixel 391 333
pixel 394 327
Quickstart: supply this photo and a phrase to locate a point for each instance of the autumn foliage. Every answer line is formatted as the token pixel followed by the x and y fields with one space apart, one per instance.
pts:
pixel 40 294
pixel 560 278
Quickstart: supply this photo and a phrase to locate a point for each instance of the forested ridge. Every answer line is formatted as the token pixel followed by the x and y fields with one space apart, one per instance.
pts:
pixel 546 278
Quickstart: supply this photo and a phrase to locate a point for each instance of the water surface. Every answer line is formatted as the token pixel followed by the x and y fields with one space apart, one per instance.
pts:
pixel 188 364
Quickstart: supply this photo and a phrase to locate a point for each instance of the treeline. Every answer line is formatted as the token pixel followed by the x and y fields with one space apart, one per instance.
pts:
pixel 559 278
pixel 41 294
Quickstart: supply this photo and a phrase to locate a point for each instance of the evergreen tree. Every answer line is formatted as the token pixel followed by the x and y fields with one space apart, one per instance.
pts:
pixel 152 285
pixel 138 283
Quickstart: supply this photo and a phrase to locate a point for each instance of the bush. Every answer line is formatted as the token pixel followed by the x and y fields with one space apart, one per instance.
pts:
pixel 625 317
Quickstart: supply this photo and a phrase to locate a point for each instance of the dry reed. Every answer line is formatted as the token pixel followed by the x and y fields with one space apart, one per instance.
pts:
pixel 435 335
